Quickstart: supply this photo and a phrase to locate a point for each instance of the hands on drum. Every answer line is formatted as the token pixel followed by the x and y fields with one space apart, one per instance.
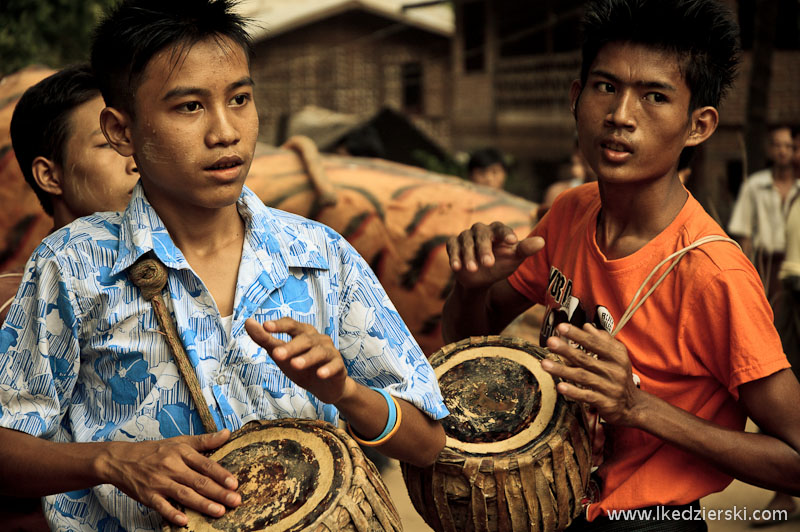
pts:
pixel 605 383
pixel 485 254
pixel 153 472
pixel 309 359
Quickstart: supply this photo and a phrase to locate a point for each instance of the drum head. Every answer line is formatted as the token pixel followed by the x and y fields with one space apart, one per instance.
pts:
pixel 290 473
pixel 500 399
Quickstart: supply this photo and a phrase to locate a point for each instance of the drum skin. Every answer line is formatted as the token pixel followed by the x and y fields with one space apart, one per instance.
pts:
pixel 299 475
pixel 397 217
pixel 517 456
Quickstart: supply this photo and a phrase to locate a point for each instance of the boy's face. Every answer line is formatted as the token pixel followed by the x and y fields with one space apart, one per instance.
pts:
pixel 780 147
pixel 493 175
pixel 633 114
pixel 95 177
pixel 196 126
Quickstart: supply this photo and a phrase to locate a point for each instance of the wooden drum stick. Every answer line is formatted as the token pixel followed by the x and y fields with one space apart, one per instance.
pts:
pixel 151 276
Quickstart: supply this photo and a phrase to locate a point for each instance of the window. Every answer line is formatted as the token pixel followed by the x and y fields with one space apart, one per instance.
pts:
pixel 412 88
pixel 474 17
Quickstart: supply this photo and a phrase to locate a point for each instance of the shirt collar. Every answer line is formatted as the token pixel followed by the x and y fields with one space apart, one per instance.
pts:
pixel 277 245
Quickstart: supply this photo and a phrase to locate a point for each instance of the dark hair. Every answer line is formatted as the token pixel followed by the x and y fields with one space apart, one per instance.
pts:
pixel 484 158
pixel 136 30
pixel 40 125
pixel 702 34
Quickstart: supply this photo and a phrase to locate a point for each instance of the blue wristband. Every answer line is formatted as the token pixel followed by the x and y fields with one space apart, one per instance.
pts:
pixel 392 419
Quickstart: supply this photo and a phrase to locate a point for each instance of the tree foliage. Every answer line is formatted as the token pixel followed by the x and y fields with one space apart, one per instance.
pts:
pixel 54 33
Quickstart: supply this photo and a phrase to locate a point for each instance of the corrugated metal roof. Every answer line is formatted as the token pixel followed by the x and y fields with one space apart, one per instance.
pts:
pixel 275 17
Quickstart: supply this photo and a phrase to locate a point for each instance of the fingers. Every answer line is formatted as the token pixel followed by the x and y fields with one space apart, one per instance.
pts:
pixel 529 246
pixel 307 348
pixel 260 336
pixel 476 245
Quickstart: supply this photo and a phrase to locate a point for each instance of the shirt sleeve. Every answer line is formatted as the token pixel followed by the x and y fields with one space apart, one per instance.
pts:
pixel 736 340
pixel 742 217
pixel 39 350
pixel 377 347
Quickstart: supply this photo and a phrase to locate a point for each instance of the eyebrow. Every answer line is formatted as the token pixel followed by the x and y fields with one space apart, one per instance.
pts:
pixel 179 92
pixel 639 83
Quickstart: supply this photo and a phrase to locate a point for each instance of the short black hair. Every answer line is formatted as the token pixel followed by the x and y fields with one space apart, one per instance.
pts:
pixel 40 125
pixel 702 33
pixel 484 158
pixel 136 30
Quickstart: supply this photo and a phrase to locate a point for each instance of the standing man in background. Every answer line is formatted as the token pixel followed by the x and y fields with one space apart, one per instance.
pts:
pixel 759 214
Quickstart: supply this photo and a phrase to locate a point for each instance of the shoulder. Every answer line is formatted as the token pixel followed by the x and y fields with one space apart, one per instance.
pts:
pixel 87 243
pixel 760 179
pixel 718 262
pixel 576 200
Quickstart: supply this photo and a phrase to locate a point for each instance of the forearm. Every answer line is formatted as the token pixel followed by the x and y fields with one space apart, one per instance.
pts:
pixel 418 439
pixel 31 466
pixel 757 459
pixel 465 314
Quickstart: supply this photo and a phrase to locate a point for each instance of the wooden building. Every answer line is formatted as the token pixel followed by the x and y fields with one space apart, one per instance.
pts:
pixel 354 57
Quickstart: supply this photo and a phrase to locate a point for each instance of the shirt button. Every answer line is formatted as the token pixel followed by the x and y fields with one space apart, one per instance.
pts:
pixel 221 379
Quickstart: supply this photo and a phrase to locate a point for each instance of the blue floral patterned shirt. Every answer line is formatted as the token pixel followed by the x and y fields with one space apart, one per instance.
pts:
pixel 82 358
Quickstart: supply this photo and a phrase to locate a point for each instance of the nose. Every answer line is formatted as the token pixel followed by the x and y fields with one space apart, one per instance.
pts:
pixel 222 130
pixel 130 166
pixel 621 113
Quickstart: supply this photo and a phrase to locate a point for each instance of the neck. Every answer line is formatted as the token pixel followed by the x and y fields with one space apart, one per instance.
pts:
pixel 783 173
pixel 200 232
pixel 633 214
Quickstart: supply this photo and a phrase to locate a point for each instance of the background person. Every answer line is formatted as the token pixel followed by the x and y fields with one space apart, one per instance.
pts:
pixel 758 218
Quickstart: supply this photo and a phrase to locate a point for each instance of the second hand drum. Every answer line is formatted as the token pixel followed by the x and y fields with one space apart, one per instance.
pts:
pixel 517 456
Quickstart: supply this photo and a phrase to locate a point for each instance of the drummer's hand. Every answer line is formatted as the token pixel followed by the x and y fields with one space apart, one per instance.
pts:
pixel 309 359
pixel 155 472
pixel 485 254
pixel 606 383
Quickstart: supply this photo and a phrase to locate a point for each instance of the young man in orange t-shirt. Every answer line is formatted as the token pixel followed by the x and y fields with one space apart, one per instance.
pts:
pixel 675 383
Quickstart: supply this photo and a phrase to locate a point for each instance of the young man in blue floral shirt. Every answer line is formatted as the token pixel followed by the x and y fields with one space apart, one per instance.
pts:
pixel 278 314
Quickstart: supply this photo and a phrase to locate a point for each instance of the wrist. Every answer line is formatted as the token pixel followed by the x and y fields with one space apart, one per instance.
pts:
pixel 640 411
pixel 103 463
pixel 349 393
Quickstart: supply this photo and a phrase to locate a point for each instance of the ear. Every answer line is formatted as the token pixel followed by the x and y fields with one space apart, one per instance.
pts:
pixel 704 123
pixel 574 95
pixel 115 125
pixel 48 176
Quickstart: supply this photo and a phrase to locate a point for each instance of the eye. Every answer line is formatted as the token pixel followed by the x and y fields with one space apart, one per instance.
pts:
pixel 240 99
pixel 655 97
pixel 604 86
pixel 189 107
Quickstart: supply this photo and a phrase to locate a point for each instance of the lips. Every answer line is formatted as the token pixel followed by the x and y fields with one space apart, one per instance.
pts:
pixel 616 150
pixel 225 163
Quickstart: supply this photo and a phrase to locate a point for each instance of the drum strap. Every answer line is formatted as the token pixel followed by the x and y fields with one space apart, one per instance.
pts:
pixel 151 276
pixel 637 302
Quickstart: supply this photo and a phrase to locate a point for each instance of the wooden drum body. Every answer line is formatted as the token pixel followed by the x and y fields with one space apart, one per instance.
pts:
pixel 300 475
pixel 517 455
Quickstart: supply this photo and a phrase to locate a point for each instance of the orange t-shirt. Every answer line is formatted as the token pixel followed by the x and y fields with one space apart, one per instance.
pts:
pixel 704 331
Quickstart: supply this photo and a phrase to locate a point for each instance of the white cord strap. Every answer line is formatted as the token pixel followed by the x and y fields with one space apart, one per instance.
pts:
pixel 675 258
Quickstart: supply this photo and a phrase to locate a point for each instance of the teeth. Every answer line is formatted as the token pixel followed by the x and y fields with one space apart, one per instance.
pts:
pixel 615 147
pixel 223 166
